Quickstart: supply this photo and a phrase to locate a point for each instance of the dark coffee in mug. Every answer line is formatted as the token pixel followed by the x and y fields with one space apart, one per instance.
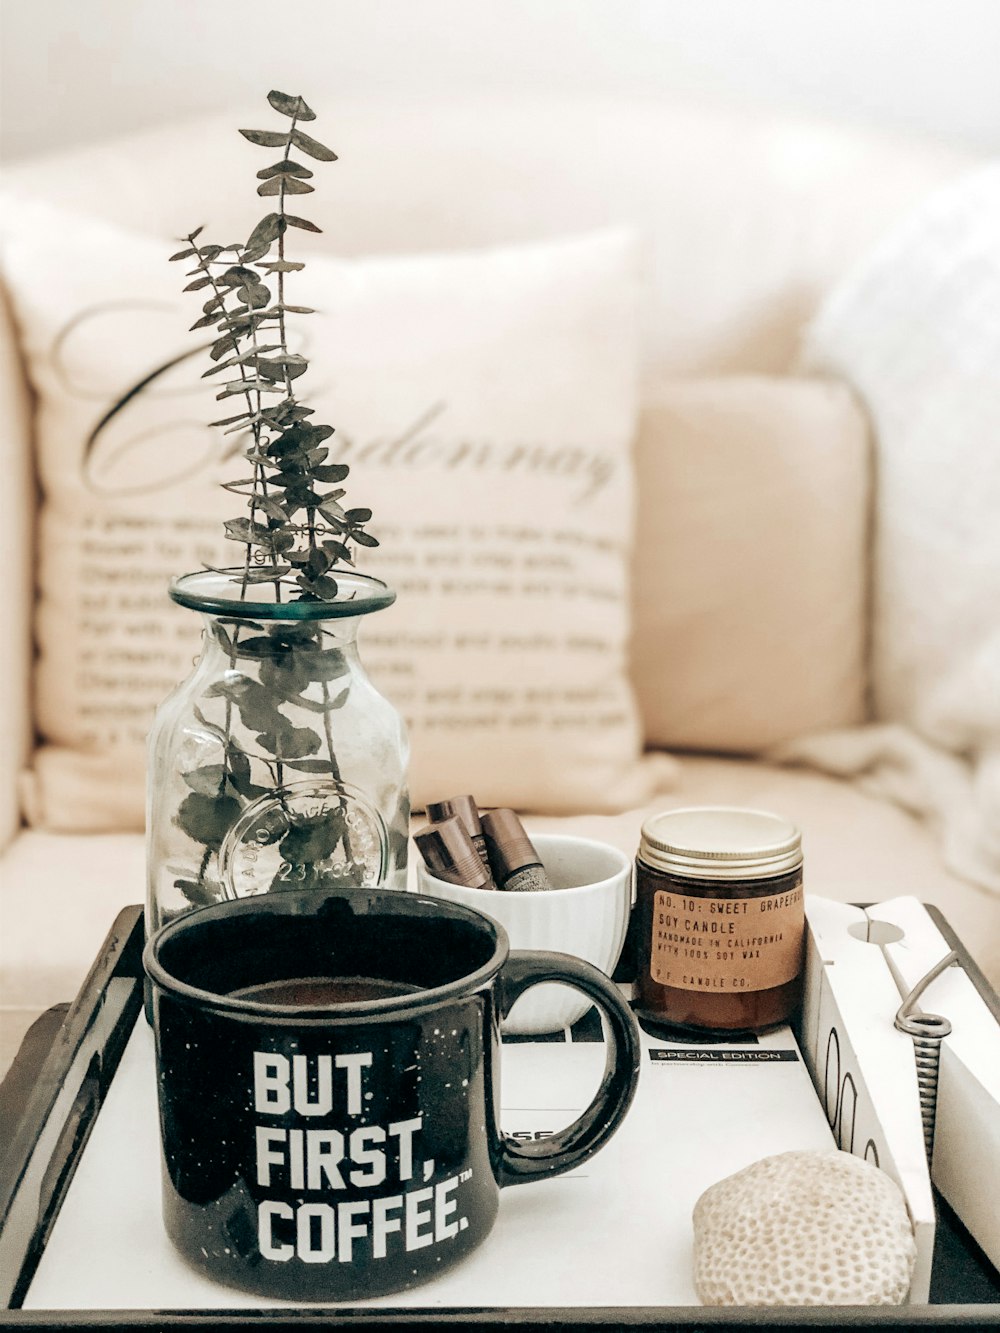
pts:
pixel 322 992
pixel 329 1068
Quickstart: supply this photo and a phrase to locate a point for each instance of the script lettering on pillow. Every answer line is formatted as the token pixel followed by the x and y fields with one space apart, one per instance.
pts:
pixel 486 403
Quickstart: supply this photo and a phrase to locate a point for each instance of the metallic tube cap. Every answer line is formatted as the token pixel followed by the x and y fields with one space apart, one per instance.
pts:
pixel 509 846
pixel 463 808
pixel 449 854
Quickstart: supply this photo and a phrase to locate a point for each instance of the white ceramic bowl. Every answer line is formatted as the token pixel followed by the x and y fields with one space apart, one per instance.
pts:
pixel 585 913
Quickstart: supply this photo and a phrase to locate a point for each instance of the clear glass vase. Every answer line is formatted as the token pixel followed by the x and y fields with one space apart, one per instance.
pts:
pixel 276 764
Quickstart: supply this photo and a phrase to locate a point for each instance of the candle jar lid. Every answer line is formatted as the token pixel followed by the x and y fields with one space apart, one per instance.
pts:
pixel 720 842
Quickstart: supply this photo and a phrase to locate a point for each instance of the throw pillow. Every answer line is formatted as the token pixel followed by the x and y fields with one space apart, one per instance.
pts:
pixel 917 330
pixel 486 403
pixel 751 562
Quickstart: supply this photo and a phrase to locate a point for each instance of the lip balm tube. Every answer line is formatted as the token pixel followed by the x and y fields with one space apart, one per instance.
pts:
pixel 464 808
pixel 449 854
pixel 517 867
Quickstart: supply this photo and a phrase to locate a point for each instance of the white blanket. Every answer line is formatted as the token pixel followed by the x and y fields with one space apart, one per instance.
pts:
pixel 916 331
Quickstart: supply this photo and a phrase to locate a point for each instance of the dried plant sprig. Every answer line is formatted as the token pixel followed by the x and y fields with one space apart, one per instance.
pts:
pixel 294 530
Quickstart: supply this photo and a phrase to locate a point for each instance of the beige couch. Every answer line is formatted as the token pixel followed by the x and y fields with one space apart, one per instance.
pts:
pixel 750 610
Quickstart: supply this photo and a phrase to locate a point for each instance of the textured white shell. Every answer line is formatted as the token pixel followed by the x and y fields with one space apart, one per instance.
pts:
pixel 804 1228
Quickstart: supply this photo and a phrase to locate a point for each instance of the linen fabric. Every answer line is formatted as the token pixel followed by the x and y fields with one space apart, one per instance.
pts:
pixel 486 402
pixel 78 882
pixel 916 329
pixel 751 562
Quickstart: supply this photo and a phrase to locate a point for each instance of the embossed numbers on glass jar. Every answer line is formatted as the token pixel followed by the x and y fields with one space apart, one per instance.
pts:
pixel 276 764
pixel 720 919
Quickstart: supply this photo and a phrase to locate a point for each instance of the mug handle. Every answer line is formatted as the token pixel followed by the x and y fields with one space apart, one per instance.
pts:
pixel 521 1161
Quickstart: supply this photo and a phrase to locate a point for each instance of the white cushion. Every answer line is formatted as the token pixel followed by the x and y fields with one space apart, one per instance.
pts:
pixel 486 403
pixel 751 562
pixel 917 330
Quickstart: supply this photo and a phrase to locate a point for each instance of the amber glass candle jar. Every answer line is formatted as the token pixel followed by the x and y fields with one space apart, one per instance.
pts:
pixel 720 919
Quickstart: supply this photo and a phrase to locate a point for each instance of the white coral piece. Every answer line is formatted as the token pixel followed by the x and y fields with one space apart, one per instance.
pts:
pixel 804 1228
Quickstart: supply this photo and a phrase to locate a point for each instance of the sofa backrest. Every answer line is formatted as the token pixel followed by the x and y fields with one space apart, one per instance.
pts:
pixel 746 220
pixel 749 219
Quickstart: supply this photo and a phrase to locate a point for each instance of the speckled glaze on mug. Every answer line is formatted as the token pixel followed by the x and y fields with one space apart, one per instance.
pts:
pixel 352 1150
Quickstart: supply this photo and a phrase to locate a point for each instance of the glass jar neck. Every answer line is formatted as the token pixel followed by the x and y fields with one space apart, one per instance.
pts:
pixel 224 593
pixel 236 636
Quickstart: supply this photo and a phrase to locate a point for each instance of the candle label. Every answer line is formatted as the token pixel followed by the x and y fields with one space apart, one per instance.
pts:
pixel 726 945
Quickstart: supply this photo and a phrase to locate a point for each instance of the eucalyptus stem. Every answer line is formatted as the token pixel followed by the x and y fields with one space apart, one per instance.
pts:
pixel 291 472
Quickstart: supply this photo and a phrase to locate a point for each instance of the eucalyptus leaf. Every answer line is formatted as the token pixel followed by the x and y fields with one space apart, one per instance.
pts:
pixel 256 576
pixel 208 780
pixel 312 146
pixel 319 562
pixel 286 167
pixel 282 266
pixel 271 507
pixel 257 296
pixel 280 368
pixel 240 776
pixel 268 229
pixel 236 325
pixel 328 664
pixel 266 138
pixel 260 714
pixel 315 840
pixel 303 224
pixel 338 551
pixel 260 647
pixel 290 742
pixel 199 893
pixel 323 588
pixel 227 343
pixel 282 541
pixel 295 412
pixel 298 700
pixel 250 534
pixel 284 185
pixel 207 819
pixel 228 421
pixel 296 107
pixel 242 386
pixel 332 472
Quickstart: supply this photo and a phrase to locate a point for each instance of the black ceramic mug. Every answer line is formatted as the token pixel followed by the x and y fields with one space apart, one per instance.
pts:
pixel 329 1080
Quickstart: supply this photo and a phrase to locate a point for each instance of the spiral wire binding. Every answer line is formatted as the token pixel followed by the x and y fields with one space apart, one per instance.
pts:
pixel 927 1031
